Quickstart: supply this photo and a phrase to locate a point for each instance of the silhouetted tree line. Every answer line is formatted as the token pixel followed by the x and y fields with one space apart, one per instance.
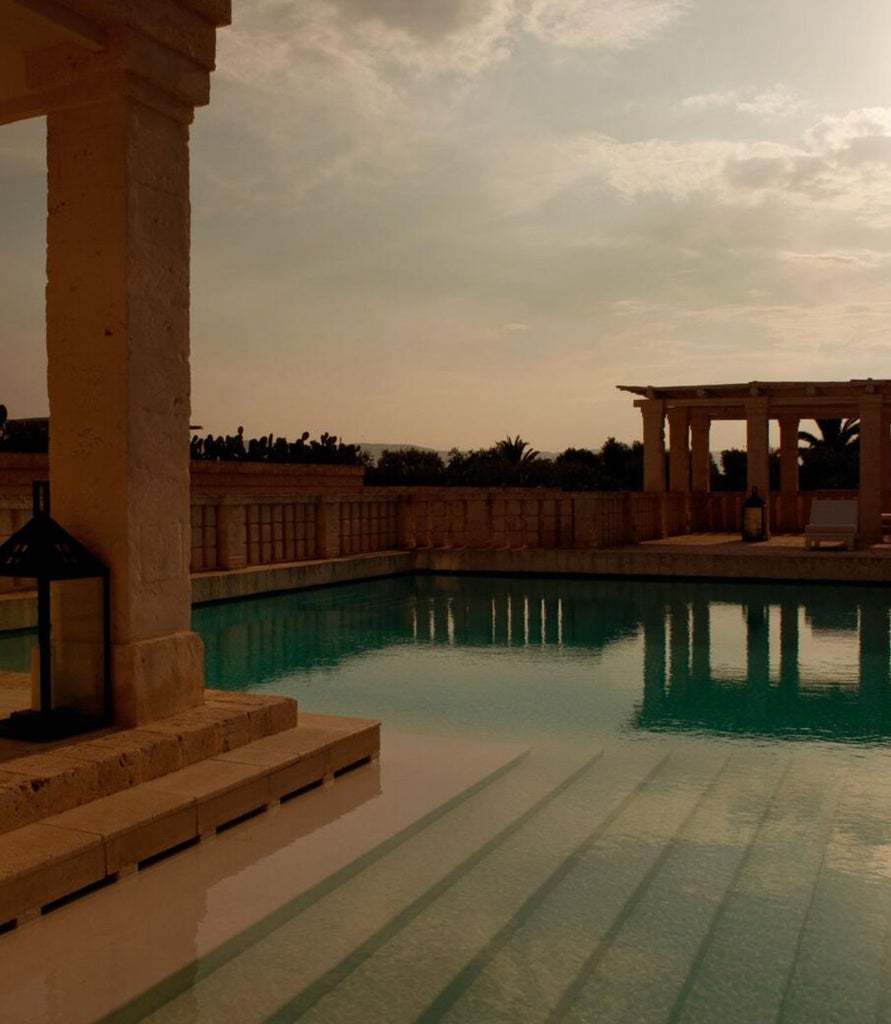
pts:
pixel 828 460
pixel 512 462
pixel 328 450
pixel 30 436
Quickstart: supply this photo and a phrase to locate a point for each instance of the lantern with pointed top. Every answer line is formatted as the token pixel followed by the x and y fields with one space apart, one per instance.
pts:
pixel 754 517
pixel 73 671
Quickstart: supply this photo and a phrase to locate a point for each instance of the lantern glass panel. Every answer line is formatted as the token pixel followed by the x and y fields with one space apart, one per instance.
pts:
pixel 78 646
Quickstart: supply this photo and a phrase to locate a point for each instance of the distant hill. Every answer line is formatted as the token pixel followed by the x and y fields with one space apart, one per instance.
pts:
pixel 375 449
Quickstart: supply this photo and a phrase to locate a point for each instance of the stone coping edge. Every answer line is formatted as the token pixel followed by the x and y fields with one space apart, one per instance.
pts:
pixel 40 784
pixel 72 853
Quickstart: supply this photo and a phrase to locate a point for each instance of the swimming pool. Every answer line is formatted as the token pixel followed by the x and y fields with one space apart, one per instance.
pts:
pixel 635 802
pixel 536 658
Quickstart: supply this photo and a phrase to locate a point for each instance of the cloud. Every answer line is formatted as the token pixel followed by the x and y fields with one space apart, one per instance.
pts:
pixel 343 94
pixel 425 19
pixel 834 133
pixel 842 163
pixel 600 24
pixel 854 259
pixel 772 104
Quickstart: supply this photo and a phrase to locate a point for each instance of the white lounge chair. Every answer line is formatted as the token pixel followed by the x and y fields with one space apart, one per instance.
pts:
pixel 832 519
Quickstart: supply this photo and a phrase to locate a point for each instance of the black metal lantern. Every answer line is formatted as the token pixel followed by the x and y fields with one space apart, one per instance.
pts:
pixel 62 567
pixel 754 517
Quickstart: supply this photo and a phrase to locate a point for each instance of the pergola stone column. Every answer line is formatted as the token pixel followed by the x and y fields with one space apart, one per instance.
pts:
pixel 700 434
pixel 872 469
pixel 653 413
pixel 757 447
pixel 788 517
pixel 118 83
pixel 679 449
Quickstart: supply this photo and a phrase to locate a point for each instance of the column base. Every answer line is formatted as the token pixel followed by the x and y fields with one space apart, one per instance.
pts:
pixel 157 678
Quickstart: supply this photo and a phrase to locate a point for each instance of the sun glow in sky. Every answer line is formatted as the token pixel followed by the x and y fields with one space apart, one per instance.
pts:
pixel 444 222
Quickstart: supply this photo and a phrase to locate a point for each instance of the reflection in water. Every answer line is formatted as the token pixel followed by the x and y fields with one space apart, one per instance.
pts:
pixel 752 659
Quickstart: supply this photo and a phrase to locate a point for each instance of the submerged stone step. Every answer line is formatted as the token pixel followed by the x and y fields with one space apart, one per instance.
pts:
pixel 765 828
pixel 328 935
pixel 410 977
pixel 843 967
pixel 558 936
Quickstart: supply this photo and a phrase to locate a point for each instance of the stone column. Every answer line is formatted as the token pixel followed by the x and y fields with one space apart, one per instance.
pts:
pixel 118 357
pixel 700 430
pixel 871 468
pixel 885 478
pixel 757 449
pixel 653 412
pixel 700 517
pixel 117 307
pixel 679 450
pixel 788 474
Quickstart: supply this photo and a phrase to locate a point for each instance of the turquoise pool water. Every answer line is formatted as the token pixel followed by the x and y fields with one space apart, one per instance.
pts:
pixel 569 658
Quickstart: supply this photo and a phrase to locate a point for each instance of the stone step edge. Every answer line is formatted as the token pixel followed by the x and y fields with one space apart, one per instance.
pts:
pixel 37 785
pixel 72 853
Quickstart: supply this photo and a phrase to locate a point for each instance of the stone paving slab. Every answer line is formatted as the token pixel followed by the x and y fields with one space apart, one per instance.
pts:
pixel 46 779
pixel 40 863
pixel 112 835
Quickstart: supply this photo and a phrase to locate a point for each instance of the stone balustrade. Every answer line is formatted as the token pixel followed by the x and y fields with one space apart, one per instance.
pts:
pixel 236 532
pixel 243 530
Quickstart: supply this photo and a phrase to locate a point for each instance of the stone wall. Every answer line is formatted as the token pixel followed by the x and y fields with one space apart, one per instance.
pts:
pixel 18 470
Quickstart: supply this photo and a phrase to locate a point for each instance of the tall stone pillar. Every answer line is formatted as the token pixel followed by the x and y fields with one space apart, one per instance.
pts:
pixel 757 448
pixel 653 412
pixel 679 450
pixel 788 518
pixel 872 473
pixel 700 431
pixel 885 477
pixel 117 302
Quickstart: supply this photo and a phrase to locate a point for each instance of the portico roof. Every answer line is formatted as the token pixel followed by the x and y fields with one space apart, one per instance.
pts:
pixel 805 399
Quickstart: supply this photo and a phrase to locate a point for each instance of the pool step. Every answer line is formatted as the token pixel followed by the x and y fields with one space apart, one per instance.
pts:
pixel 769 897
pixel 652 965
pixel 658 846
pixel 42 780
pixel 399 915
pixel 842 971
pixel 402 982
pixel 68 854
pixel 326 935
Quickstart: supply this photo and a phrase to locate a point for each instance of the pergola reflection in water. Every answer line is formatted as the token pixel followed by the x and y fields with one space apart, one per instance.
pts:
pixel 737 658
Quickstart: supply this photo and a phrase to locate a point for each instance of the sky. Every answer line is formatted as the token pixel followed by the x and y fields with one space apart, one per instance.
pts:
pixel 443 222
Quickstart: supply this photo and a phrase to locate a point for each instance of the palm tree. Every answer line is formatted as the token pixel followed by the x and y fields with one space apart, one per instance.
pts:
pixel 836 435
pixel 515 451
pixel 831 460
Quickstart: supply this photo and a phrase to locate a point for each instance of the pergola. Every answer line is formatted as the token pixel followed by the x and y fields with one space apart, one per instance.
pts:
pixel 118 82
pixel 691 409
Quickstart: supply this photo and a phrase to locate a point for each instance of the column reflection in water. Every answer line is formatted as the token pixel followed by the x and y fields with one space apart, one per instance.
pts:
pixel 730 658
pixel 832 677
